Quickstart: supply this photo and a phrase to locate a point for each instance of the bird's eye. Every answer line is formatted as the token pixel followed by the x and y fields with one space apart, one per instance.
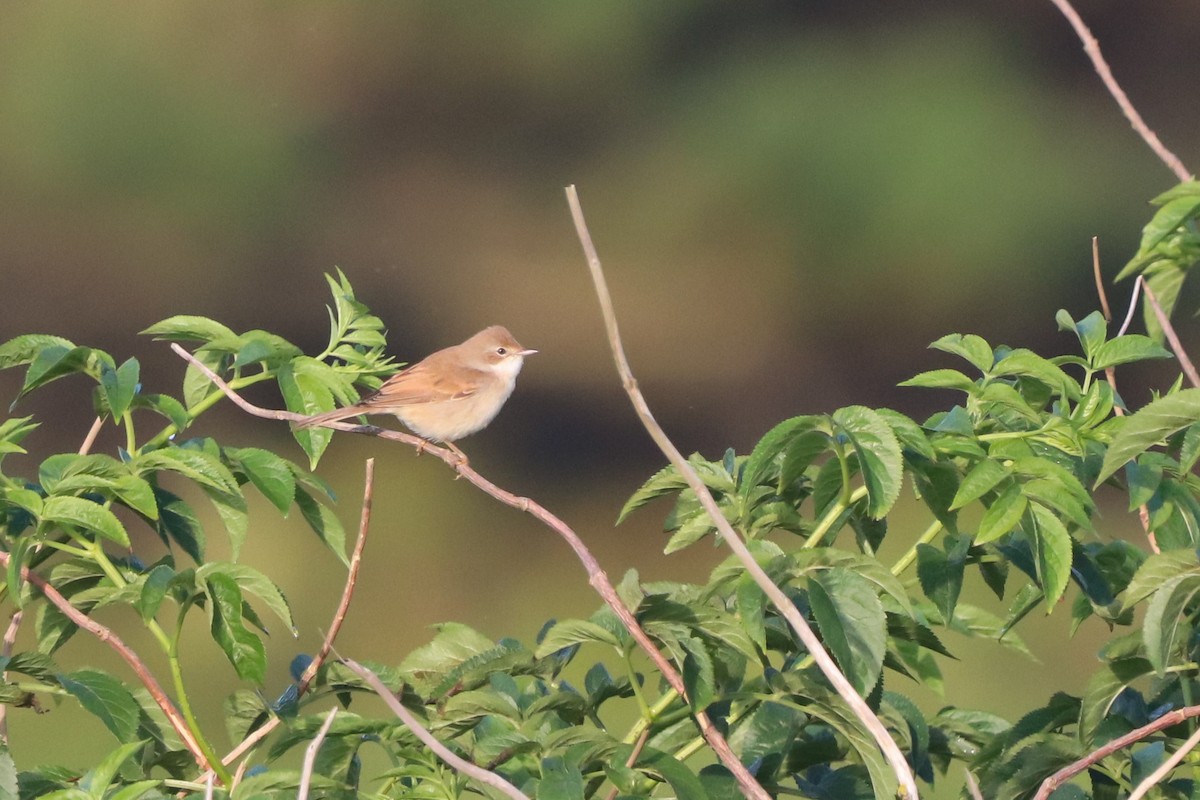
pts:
pixel 501 351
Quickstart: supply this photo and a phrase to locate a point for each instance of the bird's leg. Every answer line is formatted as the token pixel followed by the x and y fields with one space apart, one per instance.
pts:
pixel 462 457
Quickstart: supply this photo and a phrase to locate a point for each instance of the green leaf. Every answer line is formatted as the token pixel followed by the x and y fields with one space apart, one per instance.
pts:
pixel 574 631
pixel 1002 515
pixel 768 448
pixel 196 385
pixel 1189 451
pixel 24 349
pixel 942 379
pixel 1026 362
pixel 119 386
pixel 682 780
pixel 54 362
pixel 982 478
pixel 1091 330
pixel 1127 349
pixel 1166 621
pixel 106 697
pixel 1149 426
pixel 197 465
pixel 269 473
pixel 1156 571
pixel 852 624
pixel 184 328
pixel 1103 688
pixel 84 514
pixel 1052 548
pixel 97 781
pixel 560 780
pixel 698 675
pixel 250 580
pixel 272 351
pixel 165 405
pixel 242 647
pixel 304 392
pixel 177 523
pixel 971 347
pixel 941 574
pixel 154 589
pixel 879 456
pixel 324 523
pixel 1172 215
pixel 666 481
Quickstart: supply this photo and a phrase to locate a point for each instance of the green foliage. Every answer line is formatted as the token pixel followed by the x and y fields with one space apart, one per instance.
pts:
pixel 1005 481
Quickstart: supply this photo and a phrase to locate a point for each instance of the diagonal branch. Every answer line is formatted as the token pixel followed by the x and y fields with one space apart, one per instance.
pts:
pixel 1120 743
pixel 1164 322
pixel 339 617
pixel 783 605
pixel 1092 48
pixel 111 639
pixel 444 753
pixel 596 575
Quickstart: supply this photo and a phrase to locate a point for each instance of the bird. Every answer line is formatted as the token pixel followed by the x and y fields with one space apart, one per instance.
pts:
pixel 449 394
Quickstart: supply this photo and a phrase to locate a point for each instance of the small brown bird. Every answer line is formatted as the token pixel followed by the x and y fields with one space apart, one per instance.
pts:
pixel 451 393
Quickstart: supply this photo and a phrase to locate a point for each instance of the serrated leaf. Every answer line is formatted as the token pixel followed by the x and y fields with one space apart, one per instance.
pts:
pixel 54 362
pixel 24 349
pixel 1128 349
pixel 971 347
pixel 106 698
pixel 768 448
pixel 154 590
pixel 304 393
pixel 1166 621
pixel 852 624
pixel 119 386
pixel 165 405
pixel 249 580
pixel 560 780
pixel 571 632
pixel 1156 571
pixel 1027 363
pixel 84 514
pixel 177 523
pixel 1052 548
pixel 324 523
pixel 196 385
pixel 879 456
pixel 184 328
pixel 197 465
pixel 1148 427
pixel 698 675
pixel 98 779
pixel 242 646
pixel 982 478
pixel 270 474
pixel 941 575
pixel 942 379
pixel 1103 688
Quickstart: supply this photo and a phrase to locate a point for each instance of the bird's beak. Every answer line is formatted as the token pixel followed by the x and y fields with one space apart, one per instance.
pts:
pixel 526 352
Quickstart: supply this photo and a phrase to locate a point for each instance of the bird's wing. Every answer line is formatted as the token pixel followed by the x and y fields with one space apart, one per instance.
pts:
pixel 424 383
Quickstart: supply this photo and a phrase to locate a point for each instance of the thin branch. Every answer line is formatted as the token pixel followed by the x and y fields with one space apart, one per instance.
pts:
pixel 90 439
pixel 972 785
pixel 127 654
pixel 783 605
pixel 1071 770
pixel 339 617
pixel 1164 322
pixel 10 639
pixel 310 754
pixel 440 750
pixel 1111 372
pixel 636 752
pixel 1092 48
pixel 596 575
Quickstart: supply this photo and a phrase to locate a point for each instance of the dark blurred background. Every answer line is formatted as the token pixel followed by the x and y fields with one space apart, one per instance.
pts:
pixel 791 200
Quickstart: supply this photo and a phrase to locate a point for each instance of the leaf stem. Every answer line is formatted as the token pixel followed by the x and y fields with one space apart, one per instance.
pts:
pixel 909 557
pixel 204 405
pixel 835 511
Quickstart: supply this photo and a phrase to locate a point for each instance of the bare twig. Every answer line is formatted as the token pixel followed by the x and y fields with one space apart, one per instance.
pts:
pixel 1092 48
pixel 596 575
pixel 90 439
pixel 1099 278
pixel 339 617
pixel 643 737
pixel 1111 372
pixel 127 654
pixel 440 750
pixel 1164 322
pixel 1120 743
pixel 10 639
pixel 972 785
pixel 781 602
pixel 310 754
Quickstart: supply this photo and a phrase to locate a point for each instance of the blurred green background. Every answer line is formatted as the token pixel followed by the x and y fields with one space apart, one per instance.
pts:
pixel 791 200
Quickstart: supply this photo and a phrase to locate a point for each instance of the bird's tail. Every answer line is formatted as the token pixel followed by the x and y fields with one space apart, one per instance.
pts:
pixel 331 416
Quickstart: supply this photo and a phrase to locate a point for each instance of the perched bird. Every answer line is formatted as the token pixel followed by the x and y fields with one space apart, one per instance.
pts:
pixel 451 393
